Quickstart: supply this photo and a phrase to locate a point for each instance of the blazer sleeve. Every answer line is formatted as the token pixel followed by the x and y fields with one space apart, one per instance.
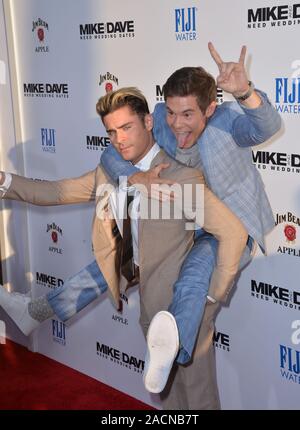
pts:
pixel 256 125
pixel 208 211
pixel 232 237
pixel 50 193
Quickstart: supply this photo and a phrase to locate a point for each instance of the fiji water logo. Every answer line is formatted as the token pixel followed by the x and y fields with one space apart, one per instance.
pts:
pixel 39 27
pixel 287 91
pixel 287 95
pixel 48 140
pixel 289 357
pixel 58 332
pixel 185 24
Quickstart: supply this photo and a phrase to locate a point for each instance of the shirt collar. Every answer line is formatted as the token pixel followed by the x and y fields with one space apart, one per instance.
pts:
pixel 145 163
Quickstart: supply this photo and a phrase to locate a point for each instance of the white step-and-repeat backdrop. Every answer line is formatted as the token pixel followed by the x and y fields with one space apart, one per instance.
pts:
pixel 56 59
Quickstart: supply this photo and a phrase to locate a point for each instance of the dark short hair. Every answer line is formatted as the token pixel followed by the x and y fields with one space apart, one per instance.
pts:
pixel 193 81
pixel 128 96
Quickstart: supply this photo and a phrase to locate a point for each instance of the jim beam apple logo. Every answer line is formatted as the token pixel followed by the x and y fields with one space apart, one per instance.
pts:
pixel 109 81
pixel 55 233
pixel 290 223
pixel 38 28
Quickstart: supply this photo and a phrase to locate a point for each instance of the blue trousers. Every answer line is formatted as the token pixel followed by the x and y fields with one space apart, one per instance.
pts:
pixel 190 292
pixel 189 297
pixel 77 292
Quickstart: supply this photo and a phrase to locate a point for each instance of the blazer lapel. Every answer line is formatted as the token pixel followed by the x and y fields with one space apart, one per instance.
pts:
pixel 160 157
pixel 106 239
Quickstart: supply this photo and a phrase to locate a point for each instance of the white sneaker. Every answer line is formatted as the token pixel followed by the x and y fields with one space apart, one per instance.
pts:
pixel 16 307
pixel 163 346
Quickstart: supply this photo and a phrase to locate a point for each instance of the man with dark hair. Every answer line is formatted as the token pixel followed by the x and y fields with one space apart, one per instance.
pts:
pixel 216 139
pixel 192 80
pixel 158 246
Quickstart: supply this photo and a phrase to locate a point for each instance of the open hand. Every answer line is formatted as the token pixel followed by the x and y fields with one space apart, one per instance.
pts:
pixel 232 76
pixel 149 183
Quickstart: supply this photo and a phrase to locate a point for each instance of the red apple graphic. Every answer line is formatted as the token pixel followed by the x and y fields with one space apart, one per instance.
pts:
pixel 54 236
pixel 41 34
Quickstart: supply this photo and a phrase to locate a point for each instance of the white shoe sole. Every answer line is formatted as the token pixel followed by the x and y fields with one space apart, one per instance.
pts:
pixel 163 345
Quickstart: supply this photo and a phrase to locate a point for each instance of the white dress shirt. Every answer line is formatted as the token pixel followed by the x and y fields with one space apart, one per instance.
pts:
pixel 118 198
pixel 6 184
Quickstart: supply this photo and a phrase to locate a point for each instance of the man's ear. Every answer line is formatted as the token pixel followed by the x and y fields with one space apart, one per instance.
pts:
pixel 210 109
pixel 148 120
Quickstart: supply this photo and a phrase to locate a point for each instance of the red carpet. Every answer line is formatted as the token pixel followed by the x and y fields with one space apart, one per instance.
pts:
pixel 32 381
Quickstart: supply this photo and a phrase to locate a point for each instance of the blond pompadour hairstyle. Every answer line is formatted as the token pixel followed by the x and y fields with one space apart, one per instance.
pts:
pixel 127 96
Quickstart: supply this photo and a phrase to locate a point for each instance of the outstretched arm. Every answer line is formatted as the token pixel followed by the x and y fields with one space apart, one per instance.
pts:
pixel 209 212
pixel 261 120
pixel 48 193
pixel 232 237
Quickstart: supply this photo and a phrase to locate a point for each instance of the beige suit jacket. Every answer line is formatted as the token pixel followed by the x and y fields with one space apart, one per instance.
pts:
pixel 163 244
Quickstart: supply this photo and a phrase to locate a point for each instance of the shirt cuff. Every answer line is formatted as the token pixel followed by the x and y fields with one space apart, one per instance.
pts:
pixel 6 184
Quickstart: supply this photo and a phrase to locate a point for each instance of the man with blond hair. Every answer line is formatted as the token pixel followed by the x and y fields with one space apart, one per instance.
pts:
pixel 157 246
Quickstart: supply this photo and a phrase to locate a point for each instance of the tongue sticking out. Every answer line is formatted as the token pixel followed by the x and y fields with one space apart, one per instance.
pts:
pixel 182 139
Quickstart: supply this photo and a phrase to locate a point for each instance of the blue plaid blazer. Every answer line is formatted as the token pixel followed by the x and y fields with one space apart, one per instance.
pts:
pixel 226 159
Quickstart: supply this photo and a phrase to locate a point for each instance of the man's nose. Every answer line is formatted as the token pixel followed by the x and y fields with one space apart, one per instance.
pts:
pixel 121 137
pixel 177 122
